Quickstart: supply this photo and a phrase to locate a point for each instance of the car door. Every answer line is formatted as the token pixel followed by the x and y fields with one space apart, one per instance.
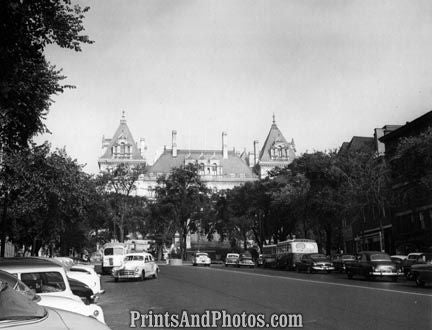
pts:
pixel 148 265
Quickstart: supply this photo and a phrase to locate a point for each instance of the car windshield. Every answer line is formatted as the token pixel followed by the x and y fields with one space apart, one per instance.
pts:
pixel 113 251
pixel 133 258
pixel 413 256
pixel 348 257
pixel 202 255
pixel 17 285
pixel 232 255
pixel 15 306
pixel 318 256
pixel 380 257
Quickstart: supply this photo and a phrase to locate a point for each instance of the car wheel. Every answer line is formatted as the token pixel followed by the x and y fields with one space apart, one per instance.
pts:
pixel 329 271
pixel 226 265
pixel 116 279
pixel 156 274
pixel 194 264
pixel 142 277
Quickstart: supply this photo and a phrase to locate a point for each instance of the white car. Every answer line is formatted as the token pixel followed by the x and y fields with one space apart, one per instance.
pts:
pixel 232 259
pixel 201 258
pixel 63 303
pixel 87 275
pixel 41 275
pixel 136 266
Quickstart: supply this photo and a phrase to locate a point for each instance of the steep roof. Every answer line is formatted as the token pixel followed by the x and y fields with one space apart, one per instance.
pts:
pixel 122 131
pixel 233 165
pixel 274 135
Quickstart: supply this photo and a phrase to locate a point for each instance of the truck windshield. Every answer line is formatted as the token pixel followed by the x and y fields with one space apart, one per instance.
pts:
pixel 113 251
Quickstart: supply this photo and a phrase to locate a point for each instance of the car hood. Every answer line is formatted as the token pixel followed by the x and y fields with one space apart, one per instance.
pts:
pixel 76 321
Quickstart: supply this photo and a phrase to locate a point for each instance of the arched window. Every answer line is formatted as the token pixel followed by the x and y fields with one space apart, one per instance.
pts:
pixel 214 168
pixel 201 168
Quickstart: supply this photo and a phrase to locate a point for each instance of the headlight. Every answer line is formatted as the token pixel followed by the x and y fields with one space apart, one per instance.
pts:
pixel 96 313
pixel 136 270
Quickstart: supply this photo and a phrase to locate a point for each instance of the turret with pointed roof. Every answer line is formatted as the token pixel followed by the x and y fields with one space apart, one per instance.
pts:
pixel 122 148
pixel 276 151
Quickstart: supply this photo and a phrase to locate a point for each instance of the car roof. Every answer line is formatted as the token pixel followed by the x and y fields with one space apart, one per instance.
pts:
pixel 29 262
pixel 138 254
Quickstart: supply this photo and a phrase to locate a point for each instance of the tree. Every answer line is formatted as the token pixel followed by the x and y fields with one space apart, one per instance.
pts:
pixel 27 80
pixel 46 190
pixel 120 184
pixel 181 195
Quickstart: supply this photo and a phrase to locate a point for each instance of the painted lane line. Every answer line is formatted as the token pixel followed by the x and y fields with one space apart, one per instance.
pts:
pixel 321 282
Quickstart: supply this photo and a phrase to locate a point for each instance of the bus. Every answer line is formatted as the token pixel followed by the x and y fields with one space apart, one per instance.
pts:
pixel 269 255
pixel 289 252
pixel 112 255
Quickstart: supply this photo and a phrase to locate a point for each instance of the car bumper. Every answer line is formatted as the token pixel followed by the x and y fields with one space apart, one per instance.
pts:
pixel 385 274
pixel 323 268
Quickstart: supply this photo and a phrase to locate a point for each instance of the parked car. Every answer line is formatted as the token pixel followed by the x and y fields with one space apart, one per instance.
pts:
pixel 201 258
pixel 314 262
pixel 83 291
pixel 422 273
pixel 413 259
pixel 372 264
pixel 339 261
pixel 245 261
pixel 52 301
pixel 88 275
pixel 136 266
pixel 232 259
pixel 20 312
pixel 399 261
pixel 43 276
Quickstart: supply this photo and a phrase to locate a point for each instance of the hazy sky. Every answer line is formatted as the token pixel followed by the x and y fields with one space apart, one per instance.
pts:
pixel 327 69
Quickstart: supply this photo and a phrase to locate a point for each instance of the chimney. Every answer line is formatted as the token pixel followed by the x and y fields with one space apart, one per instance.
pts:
pixel 174 143
pixel 224 145
pixel 255 152
pixel 143 148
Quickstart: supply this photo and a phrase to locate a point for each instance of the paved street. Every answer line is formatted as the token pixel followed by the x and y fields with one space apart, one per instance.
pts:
pixel 325 301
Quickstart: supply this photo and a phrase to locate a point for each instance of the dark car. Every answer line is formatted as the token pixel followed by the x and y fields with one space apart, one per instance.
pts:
pixel 339 261
pixel 245 261
pixel 314 262
pixel 372 264
pixel 415 259
pixel 83 291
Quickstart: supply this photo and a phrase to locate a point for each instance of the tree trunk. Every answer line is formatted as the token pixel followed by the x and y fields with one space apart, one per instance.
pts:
pixel 3 227
pixel 328 239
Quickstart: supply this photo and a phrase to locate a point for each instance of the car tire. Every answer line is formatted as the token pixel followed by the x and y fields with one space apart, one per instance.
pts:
pixel 226 265
pixel 142 277
pixel 116 279
pixel 156 274
pixel 194 264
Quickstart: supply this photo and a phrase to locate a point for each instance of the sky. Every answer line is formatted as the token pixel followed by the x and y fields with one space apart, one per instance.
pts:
pixel 327 69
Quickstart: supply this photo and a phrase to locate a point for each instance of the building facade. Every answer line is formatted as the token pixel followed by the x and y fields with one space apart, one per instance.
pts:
pixel 276 151
pixel 122 149
pixel 412 211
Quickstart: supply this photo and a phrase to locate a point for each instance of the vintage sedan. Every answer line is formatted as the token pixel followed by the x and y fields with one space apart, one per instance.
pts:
pixel 52 301
pixel 314 262
pixel 372 264
pixel 422 273
pixel 88 275
pixel 201 258
pixel 232 259
pixel 414 259
pixel 245 261
pixel 19 312
pixel 136 266
pixel 339 261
